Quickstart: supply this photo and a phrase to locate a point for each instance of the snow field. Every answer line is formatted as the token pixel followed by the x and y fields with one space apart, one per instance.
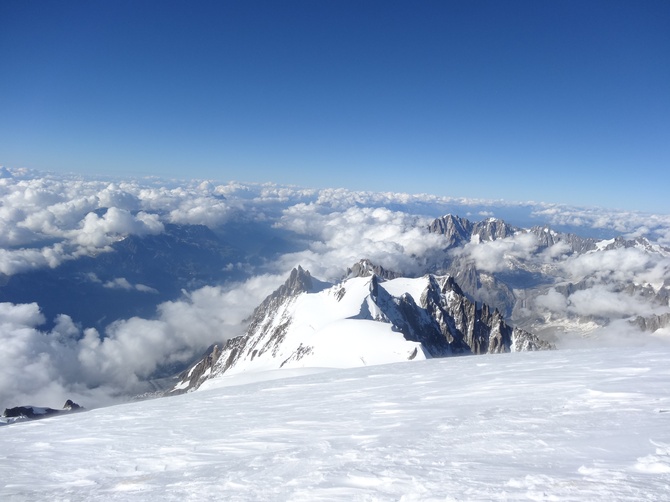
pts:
pixel 329 324
pixel 563 425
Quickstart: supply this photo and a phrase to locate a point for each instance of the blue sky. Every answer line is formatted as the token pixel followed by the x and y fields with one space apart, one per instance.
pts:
pixel 563 102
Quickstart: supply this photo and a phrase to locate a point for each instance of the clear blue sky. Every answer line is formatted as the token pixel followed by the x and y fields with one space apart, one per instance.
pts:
pixel 565 101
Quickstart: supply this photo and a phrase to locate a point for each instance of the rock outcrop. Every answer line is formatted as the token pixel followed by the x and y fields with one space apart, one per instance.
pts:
pixel 36 412
pixel 441 321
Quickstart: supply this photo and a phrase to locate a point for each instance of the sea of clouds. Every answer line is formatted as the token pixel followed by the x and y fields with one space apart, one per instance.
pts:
pixel 47 219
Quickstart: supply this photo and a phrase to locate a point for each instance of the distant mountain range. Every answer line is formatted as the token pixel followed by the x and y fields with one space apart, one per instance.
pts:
pixel 491 288
pixel 519 278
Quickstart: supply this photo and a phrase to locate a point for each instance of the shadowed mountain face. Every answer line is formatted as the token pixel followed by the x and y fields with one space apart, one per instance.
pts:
pixel 539 280
pixel 515 269
pixel 310 323
pixel 20 413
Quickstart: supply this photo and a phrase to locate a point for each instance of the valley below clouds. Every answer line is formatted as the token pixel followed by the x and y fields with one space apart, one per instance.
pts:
pixel 107 287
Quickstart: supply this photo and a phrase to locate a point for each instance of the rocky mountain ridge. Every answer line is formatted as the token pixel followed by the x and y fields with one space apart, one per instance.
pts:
pixel 459 231
pixel 535 262
pixel 441 321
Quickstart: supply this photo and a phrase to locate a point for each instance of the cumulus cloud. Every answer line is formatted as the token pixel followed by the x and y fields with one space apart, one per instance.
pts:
pixel 100 231
pixel 84 216
pixel 631 265
pixel 560 250
pixel 605 284
pixel 46 220
pixel 93 368
pixel 494 256
pixel 15 261
pixel 601 301
pixel 603 287
pixel 201 211
pixel 395 240
pixel 552 301
pixel 34 363
pixel 119 283
pixel 630 223
pixel 120 196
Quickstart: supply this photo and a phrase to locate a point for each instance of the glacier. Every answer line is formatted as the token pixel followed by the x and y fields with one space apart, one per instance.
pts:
pixel 360 321
pixel 567 425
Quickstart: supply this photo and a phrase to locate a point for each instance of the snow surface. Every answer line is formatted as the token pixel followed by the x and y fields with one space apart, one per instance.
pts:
pixel 602 245
pixel 400 286
pixel 334 329
pixel 557 425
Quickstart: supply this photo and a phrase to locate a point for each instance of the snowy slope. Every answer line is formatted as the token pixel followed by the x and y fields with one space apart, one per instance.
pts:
pixel 360 321
pixel 566 426
pixel 336 327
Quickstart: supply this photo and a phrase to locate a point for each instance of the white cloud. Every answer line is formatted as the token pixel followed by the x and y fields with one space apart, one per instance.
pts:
pixel 98 232
pixel 45 220
pixel 118 283
pixel 626 222
pixel 120 196
pixel 32 362
pixel 46 368
pixel 395 240
pixel 630 265
pixel 20 260
pixel 494 256
pixel 124 284
pixel 26 315
pixel 145 289
pixel 37 209
pixel 201 211
pixel 560 250
pixel 600 301
pixel 59 212
pixel 552 301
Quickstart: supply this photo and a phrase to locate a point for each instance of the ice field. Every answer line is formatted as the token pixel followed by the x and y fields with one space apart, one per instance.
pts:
pixel 561 425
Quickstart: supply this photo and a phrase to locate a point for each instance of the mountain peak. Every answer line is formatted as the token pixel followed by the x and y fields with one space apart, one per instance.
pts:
pixel 455 228
pixel 365 268
pixel 361 320
pixel 299 281
pixel 459 230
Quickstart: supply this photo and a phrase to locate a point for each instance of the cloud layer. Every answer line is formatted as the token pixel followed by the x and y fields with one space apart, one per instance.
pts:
pixel 47 220
pixel 69 362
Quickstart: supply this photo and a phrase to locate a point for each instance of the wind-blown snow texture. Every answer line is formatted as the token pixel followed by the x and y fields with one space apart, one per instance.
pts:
pixel 566 425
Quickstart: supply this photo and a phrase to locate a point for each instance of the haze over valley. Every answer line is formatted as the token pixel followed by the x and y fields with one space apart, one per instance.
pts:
pixel 109 287
pixel 314 250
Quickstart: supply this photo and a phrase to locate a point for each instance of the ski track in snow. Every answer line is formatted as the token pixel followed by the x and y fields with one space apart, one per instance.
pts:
pixel 564 425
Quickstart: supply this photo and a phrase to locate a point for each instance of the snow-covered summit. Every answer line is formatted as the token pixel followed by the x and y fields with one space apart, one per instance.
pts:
pixel 360 321
pixel 365 268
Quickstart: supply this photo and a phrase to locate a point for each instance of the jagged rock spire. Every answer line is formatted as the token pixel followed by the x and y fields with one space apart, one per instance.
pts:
pixel 365 268
pixel 284 329
pixel 459 230
pixel 299 281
